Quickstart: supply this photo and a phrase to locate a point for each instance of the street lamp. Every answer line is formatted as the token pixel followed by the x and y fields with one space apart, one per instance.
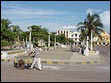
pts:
pixel 49 40
pixel 55 42
pixel 30 29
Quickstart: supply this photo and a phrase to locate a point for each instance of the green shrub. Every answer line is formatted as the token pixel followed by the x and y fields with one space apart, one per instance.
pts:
pixel 5 43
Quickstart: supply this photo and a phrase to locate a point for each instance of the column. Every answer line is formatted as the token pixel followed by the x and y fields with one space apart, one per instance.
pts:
pixel 87 50
pixel 55 43
pixel 49 40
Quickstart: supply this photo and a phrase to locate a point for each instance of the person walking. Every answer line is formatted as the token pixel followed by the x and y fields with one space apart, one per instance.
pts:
pixel 36 57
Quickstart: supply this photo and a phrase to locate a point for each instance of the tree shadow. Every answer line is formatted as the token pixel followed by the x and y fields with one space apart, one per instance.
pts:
pixel 69 50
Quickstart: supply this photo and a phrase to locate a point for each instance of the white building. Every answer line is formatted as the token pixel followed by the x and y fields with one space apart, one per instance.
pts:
pixel 72 35
pixel 66 32
pixel 75 36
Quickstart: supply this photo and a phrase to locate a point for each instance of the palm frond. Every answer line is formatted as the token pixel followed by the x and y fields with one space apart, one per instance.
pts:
pixel 80 28
pixel 96 16
pixel 99 30
pixel 80 23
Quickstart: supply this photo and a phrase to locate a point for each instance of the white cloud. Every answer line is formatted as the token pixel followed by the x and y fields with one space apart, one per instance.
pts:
pixel 25 11
pixel 18 9
pixel 92 11
pixel 105 17
pixel 55 26
pixel 68 27
pixel 17 17
pixel 52 26
pixel 15 10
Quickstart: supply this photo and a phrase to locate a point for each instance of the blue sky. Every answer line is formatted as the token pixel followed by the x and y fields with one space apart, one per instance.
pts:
pixel 54 15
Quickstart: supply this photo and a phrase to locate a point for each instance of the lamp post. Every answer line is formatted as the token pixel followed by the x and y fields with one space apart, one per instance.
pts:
pixel 49 40
pixel 23 44
pixel 30 29
pixel 26 45
pixel 55 42
pixel 26 39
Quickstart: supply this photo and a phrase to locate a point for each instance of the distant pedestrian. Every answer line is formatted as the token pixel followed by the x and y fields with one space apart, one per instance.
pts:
pixel 82 49
pixel 36 57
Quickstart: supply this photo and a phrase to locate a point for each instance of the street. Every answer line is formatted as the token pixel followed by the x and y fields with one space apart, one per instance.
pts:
pixel 56 73
pixel 104 52
pixel 59 73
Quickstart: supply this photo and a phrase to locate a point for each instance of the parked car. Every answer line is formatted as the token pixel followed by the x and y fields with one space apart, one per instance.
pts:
pixel 75 48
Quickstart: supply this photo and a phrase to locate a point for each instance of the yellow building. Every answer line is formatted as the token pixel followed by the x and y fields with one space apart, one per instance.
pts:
pixel 106 39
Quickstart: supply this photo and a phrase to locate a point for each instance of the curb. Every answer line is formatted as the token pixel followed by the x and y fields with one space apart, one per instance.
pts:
pixel 78 63
pixel 7 60
pixel 59 62
pixel 14 52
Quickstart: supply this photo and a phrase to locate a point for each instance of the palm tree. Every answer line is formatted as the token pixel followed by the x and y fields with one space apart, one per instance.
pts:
pixel 91 26
pixel 82 27
pixel 5 23
pixel 17 31
pixel 6 30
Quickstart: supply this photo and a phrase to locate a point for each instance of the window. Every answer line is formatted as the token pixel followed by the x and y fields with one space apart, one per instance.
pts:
pixel 58 32
pixel 75 35
pixel 72 35
pixel 106 38
pixel 79 43
pixel 67 32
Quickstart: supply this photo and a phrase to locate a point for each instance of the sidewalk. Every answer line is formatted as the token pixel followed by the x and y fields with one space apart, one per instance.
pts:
pixel 66 56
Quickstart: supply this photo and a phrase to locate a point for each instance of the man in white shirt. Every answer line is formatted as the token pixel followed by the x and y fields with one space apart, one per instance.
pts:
pixel 36 57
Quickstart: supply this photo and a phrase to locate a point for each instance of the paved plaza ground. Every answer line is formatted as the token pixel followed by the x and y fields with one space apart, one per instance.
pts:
pixel 64 56
pixel 61 73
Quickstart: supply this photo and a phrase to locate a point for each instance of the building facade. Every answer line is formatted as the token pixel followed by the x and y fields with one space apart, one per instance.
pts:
pixel 65 32
pixel 70 35
pixel 105 39
pixel 76 37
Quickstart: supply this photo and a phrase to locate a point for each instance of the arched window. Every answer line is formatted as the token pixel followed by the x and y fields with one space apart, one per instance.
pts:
pixel 72 35
pixel 64 32
pixel 61 32
pixel 75 35
pixel 58 32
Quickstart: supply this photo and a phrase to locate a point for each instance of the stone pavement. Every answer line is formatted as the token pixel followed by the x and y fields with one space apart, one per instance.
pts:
pixel 66 56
